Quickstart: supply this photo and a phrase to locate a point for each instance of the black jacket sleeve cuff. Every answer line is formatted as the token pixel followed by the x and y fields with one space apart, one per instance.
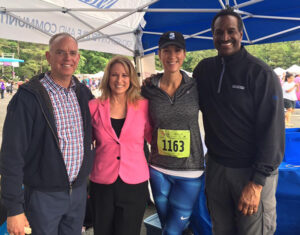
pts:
pixel 15 211
pixel 258 178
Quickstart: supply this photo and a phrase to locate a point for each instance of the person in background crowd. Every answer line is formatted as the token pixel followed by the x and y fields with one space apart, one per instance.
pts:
pixel 282 77
pixel 241 101
pixel 97 82
pixel 46 147
pixel 289 89
pixel 7 87
pixel 11 87
pixel 297 81
pixel 88 82
pixel 176 157
pixel 119 179
pixel 2 88
pixel 84 81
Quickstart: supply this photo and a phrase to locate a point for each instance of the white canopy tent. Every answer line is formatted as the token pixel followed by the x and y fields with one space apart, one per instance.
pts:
pixel 279 71
pixel 92 22
pixel 295 69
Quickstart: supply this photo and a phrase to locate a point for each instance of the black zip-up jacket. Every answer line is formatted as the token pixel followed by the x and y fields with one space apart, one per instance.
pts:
pixel 241 101
pixel 30 152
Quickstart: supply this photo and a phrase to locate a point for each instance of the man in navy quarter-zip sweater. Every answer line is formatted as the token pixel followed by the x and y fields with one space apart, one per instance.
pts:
pixel 46 147
pixel 241 101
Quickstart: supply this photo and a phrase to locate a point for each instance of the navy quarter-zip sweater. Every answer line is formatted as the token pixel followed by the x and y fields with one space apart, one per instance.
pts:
pixel 241 101
pixel 30 152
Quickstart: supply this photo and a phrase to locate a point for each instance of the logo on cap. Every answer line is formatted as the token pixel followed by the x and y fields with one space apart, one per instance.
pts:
pixel 172 36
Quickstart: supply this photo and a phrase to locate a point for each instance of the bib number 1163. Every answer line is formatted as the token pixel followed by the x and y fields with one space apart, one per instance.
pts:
pixel 177 145
pixel 173 143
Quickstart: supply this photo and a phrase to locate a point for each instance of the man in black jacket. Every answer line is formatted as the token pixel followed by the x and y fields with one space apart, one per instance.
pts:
pixel 46 150
pixel 241 101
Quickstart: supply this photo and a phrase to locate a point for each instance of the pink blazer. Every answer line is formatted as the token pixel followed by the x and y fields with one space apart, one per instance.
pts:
pixel 123 156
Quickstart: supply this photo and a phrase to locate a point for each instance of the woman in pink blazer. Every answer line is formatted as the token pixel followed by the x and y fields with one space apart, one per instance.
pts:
pixel 120 173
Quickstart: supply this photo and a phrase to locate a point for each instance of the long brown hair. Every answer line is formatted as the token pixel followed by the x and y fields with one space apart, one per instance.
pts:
pixel 133 92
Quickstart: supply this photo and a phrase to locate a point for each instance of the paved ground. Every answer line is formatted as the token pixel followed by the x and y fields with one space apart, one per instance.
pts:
pixel 150 209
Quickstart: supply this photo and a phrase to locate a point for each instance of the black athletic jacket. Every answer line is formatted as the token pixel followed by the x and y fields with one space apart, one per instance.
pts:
pixel 241 101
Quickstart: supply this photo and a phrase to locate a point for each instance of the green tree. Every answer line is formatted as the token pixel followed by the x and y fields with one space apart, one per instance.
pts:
pixel 93 61
pixel 275 54
pixel 193 58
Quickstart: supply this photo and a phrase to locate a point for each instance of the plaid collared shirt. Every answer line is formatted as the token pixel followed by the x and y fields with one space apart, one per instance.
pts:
pixel 69 124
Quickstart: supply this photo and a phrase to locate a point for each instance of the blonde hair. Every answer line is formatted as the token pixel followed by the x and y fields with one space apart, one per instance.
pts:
pixel 133 92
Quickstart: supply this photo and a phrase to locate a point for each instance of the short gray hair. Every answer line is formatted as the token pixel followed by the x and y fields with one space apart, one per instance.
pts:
pixel 55 36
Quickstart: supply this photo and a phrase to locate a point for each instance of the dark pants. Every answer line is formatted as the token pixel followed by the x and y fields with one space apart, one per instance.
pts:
pixel 55 213
pixel 223 190
pixel 2 93
pixel 118 208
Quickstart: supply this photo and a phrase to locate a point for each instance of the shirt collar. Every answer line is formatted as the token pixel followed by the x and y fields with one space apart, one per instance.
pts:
pixel 54 87
pixel 238 56
pixel 155 80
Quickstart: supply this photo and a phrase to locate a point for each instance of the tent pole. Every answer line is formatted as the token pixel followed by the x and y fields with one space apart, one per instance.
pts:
pixel 275 34
pixel 104 35
pixel 108 35
pixel 138 53
pixel 118 19
pixel 251 2
pixel 275 17
pixel 222 4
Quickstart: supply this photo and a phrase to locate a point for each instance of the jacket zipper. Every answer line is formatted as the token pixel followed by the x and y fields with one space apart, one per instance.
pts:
pixel 158 87
pixel 222 74
pixel 171 101
pixel 70 189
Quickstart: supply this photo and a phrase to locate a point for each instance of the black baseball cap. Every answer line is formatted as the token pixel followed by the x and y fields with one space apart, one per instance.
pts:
pixel 171 38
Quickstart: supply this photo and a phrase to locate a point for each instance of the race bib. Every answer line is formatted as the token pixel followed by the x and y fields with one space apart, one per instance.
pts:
pixel 174 143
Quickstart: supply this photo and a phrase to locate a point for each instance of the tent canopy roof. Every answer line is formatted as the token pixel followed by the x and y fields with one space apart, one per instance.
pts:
pixel 279 71
pixel 264 21
pixel 294 69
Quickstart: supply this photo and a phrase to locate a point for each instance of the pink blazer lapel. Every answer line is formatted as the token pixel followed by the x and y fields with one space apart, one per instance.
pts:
pixel 104 109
